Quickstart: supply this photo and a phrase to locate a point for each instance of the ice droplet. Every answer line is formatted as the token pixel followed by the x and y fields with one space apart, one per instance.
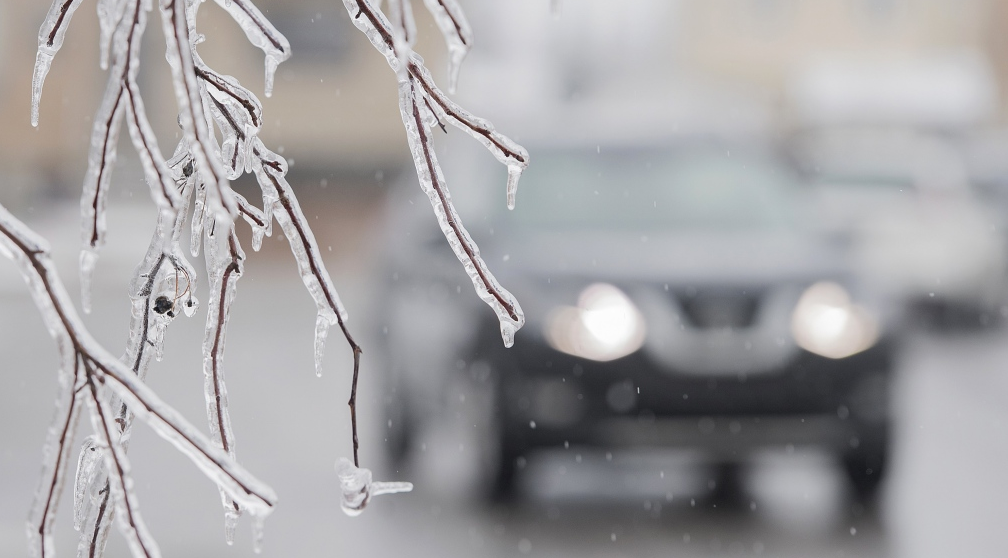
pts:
pixel 514 173
pixel 271 67
pixel 230 524
pixel 322 324
pixel 190 305
pixel 258 528
pixel 88 259
pixel 43 61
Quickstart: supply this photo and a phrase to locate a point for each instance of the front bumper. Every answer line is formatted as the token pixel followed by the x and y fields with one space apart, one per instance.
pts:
pixel 546 398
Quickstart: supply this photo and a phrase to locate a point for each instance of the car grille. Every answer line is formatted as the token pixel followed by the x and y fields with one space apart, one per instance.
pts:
pixel 718 309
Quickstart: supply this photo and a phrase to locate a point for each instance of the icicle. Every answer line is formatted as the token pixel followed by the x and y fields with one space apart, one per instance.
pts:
pixel 50 40
pixel 322 323
pixel 230 524
pixel 258 530
pixel 199 212
pixel 88 259
pixel 514 173
pixel 508 329
pixel 358 488
pixel 257 237
pixel 271 68
pixel 43 61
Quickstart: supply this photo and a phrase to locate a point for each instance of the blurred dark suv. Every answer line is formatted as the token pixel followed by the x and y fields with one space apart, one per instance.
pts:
pixel 675 296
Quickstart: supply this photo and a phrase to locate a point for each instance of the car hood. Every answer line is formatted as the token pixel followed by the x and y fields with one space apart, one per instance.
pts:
pixel 676 258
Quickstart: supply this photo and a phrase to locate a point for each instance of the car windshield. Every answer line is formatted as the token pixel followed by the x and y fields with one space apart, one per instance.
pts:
pixel 656 189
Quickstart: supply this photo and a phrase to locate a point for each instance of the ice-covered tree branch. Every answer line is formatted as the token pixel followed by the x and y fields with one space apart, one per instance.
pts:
pixel 86 371
pixel 422 103
pixel 213 105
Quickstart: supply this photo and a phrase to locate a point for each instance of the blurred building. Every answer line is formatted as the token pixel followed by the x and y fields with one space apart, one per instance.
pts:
pixel 335 108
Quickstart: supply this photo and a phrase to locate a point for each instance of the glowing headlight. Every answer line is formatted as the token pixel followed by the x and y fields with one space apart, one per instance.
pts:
pixel 827 323
pixel 605 325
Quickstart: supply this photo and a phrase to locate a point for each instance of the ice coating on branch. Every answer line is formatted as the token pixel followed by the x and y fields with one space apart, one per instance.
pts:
pixel 322 323
pixel 261 33
pixel 50 40
pixel 224 268
pixel 102 376
pixel 109 14
pixel 270 169
pixel 452 22
pixel 162 285
pixel 101 160
pixel 358 488
pixel 55 456
pixel 422 103
pixel 117 467
pixel 88 260
pixel 400 13
pixel 503 148
pixel 192 114
pixel 91 455
pixel 237 114
pixel 432 181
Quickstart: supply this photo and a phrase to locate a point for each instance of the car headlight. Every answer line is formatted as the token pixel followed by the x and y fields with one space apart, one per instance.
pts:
pixel 604 326
pixel 826 322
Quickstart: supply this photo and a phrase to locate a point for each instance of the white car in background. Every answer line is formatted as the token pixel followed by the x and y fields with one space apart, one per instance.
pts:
pixel 902 198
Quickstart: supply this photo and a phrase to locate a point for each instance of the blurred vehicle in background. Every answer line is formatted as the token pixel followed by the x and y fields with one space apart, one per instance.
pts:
pixel 903 199
pixel 675 297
